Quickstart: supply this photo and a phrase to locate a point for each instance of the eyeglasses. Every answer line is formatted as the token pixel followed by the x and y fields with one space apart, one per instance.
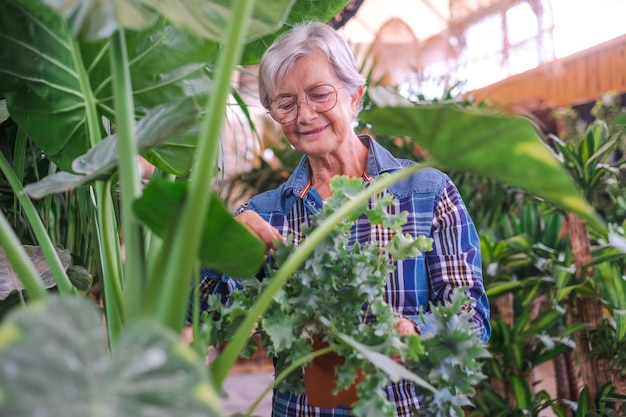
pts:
pixel 320 98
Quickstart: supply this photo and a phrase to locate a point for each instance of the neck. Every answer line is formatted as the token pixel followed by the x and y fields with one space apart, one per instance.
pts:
pixel 323 168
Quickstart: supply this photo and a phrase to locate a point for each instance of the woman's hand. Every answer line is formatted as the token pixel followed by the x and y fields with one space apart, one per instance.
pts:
pixel 406 327
pixel 257 225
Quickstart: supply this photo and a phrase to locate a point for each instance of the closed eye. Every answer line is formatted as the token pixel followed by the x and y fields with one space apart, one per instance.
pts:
pixel 284 104
pixel 320 96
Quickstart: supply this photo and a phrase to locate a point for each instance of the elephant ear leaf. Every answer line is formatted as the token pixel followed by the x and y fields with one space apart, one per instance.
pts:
pixel 502 147
pixel 208 19
pixel 42 78
pixel 52 83
pixel 226 245
pixel 159 135
pixel 96 20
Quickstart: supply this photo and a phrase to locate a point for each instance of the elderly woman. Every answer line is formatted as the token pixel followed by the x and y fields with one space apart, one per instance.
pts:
pixel 309 83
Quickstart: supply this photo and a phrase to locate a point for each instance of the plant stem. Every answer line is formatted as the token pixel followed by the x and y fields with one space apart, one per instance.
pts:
pixel 179 268
pixel 19 157
pixel 56 268
pixel 228 357
pixel 130 186
pixel 103 212
pixel 110 261
pixel 20 261
pixel 294 365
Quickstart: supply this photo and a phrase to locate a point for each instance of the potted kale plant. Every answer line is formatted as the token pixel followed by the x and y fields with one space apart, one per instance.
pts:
pixel 330 330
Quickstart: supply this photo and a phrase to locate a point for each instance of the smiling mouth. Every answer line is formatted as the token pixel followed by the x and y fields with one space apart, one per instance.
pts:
pixel 314 131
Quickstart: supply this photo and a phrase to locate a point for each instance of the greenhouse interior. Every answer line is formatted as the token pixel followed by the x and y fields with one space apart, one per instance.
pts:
pixel 152 259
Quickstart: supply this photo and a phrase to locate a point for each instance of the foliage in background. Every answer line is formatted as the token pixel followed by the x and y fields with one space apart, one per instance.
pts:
pixel 530 265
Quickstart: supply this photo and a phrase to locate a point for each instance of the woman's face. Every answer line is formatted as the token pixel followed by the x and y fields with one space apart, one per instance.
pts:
pixel 312 133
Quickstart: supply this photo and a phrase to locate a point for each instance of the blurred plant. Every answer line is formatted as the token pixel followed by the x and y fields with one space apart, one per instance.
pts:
pixel 606 403
pixel 609 108
pixel 519 254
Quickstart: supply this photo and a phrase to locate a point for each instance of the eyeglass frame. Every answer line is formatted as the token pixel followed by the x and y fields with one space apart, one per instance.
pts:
pixel 299 100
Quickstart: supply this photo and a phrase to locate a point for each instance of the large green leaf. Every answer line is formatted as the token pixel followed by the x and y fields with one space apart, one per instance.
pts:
pixel 165 63
pixel 51 82
pixel 503 147
pixel 226 244
pixel 210 19
pixel 96 20
pixel 163 124
pixel 55 362
pixel 93 20
pixel 41 85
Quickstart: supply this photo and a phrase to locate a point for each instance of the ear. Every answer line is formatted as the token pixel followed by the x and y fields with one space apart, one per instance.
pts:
pixel 356 100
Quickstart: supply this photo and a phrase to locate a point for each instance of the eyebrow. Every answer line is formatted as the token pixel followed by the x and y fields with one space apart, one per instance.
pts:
pixel 306 90
pixel 284 95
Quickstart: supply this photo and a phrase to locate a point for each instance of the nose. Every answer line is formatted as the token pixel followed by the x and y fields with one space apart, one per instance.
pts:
pixel 305 111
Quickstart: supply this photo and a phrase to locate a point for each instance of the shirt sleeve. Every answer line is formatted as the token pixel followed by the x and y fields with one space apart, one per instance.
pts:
pixel 455 260
pixel 211 282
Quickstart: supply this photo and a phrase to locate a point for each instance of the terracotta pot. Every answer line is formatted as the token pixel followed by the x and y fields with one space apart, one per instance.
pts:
pixel 320 381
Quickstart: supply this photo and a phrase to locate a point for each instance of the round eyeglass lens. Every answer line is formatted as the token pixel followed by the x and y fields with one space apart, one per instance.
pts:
pixel 321 98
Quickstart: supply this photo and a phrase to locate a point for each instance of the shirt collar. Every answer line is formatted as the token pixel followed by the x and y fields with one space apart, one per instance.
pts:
pixel 379 161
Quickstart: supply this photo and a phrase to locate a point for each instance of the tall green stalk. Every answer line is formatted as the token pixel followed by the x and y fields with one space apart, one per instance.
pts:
pixel 130 186
pixel 110 259
pixel 20 261
pixel 103 212
pixel 19 160
pixel 181 261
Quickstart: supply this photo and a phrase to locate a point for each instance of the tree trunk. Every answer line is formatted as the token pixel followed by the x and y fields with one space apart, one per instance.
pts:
pixel 562 379
pixel 595 372
pixel 566 378
pixel 619 381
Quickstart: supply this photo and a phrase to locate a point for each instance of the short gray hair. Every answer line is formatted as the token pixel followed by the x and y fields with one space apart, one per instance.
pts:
pixel 302 40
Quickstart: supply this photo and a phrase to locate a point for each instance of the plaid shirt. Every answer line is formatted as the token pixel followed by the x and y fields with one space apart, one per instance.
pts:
pixel 435 210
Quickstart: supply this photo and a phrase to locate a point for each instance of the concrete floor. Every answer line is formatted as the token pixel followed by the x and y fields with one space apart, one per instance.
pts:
pixel 243 388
